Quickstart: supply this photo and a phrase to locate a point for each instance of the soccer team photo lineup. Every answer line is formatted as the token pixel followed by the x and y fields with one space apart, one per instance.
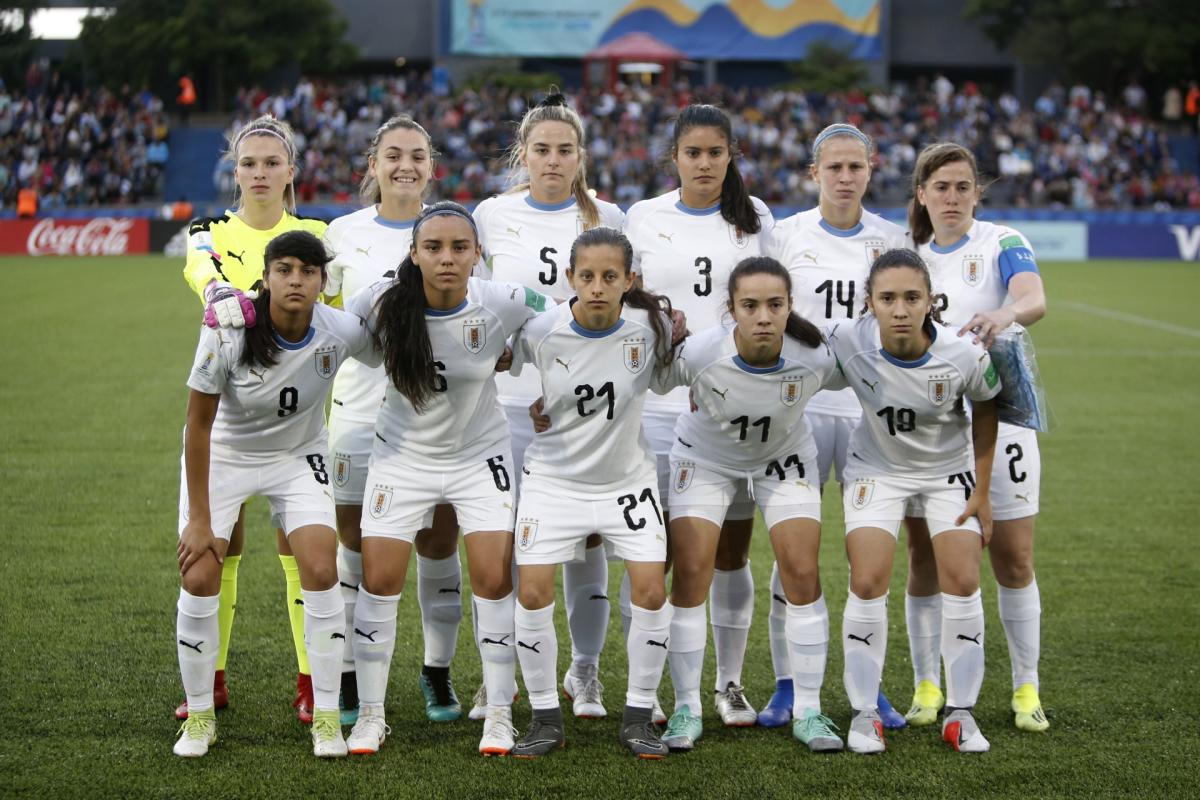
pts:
pixel 639 399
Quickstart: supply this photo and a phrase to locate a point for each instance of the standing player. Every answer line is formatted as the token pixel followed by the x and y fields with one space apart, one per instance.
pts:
pixel 256 425
pixel 989 277
pixel 592 472
pixel 368 245
pixel 224 260
pixel 686 243
pixel 748 432
pixel 915 442
pixel 828 251
pixel 439 440
pixel 526 235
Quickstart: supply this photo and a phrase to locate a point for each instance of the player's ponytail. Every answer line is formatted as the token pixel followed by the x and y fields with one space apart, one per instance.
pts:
pixel 736 206
pixel 797 326
pixel 656 306
pixel 261 345
pixel 904 257
pixel 931 159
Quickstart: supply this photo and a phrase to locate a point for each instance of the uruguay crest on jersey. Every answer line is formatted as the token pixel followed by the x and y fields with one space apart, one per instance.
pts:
pixel 972 269
pixel 874 248
pixel 683 475
pixel 738 237
pixel 474 335
pixel 381 501
pixel 861 494
pixel 790 390
pixel 526 533
pixel 939 389
pixel 635 355
pixel 325 360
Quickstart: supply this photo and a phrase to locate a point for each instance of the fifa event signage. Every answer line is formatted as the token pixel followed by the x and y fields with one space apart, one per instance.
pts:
pixel 100 236
pixel 734 30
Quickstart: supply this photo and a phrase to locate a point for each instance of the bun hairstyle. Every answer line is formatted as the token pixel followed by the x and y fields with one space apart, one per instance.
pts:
pixel 657 306
pixel 797 326
pixel 401 333
pixel 736 206
pixel 266 125
pixel 903 257
pixel 368 188
pixel 931 159
pixel 554 108
pixel 261 347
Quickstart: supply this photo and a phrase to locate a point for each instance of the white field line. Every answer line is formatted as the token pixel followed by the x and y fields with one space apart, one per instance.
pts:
pixel 1133 319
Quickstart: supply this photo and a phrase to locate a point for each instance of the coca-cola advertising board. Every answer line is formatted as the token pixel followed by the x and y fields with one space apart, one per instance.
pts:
pixel 99 236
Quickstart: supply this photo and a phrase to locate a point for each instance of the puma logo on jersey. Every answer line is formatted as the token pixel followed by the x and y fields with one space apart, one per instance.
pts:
pixel 260 375
pixel 513 294
pixel 870 385
pixel 721 392
pixel 366 251
pixel 516 231
pixel 565 364
pixel 810 256
pixel 1023 497
pixel 667 236
pixel 238 256
pixel 864 639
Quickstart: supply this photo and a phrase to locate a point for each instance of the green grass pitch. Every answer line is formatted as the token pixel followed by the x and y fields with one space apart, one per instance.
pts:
pixel 96 352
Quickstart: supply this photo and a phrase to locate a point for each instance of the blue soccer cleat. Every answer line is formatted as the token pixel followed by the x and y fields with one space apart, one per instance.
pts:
pixel 778 710
pixel 892 719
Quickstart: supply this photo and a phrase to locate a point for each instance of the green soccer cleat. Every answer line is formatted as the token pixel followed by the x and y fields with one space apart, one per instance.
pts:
pixel 683 730
pixel 1028 709
pixel 441 703
pixel 817 732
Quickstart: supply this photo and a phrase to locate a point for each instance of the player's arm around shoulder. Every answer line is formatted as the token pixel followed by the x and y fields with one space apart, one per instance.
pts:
pixel 203 263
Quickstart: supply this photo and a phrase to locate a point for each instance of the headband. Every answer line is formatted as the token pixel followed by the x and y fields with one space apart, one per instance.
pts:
pixel 840 129
pixel 447 211
pixel 268 132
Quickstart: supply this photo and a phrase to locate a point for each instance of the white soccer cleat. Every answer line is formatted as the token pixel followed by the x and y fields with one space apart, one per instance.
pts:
pixel 327 734
pixel 499 735
pixel 962 733
pixel 866 733
pixel 657 715
pixel 586 694
pixel 198 731
pixel 733 708
pixel 479 705
pixel 369 731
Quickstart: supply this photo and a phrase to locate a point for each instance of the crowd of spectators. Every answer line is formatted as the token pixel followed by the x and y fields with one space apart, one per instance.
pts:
pixel 88 147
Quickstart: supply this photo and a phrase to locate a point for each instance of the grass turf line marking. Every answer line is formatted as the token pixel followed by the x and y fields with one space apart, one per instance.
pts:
pixel 1131 318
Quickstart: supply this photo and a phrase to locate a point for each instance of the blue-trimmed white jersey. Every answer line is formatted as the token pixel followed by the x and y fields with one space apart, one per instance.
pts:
pixel 829 269
pixel 687 255
pixel 366 248
pixel 913 421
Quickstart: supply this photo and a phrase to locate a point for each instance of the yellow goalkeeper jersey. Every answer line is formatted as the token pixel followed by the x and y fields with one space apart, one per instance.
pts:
pixel 227 249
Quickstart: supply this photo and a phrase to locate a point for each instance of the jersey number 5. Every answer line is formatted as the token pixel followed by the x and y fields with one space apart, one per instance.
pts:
pixel 552 278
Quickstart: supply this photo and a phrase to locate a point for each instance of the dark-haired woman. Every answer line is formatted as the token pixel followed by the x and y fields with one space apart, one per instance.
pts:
pixel 686 243
pixel 916 442
pixel 748 434
pixel 526 235
pixel 367 246
pixel 988 278
pixel 593 473
pixel 256 426
pixel 440 439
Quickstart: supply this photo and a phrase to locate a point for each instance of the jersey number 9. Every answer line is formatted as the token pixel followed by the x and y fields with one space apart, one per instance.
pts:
pixel 289 401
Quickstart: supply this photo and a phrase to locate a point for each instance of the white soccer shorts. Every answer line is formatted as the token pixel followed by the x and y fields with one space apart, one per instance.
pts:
pixel 350 445
pixel 832 435
pixel 520 431
pixel 553 523
pixel 880 502
pixel 401 496
pixel 781 494
pixel 659 427
pixel 296 485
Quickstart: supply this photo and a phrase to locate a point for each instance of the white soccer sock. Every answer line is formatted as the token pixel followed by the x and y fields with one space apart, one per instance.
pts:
pixel 494 637
pixel 923 616
pixel 537 650
pixel 649 635
pixel 1021 614
pixel 324 625
pixel 685 653
pixel 349 569
pixel 962 648
pixel 374 638
pixel 731 603
pixel 808 643
pixel 197 640
pixel 585 588
pixel 625 601
pixel 439 594
pixel 777 628
pixel 864 644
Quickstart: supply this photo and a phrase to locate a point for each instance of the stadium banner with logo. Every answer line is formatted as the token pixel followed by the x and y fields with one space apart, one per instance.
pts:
pixel 1145 240
pixel 98 236
pixel 1055 241
pixel 732 30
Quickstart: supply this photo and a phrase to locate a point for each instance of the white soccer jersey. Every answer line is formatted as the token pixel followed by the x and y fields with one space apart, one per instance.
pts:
pixel 687 255
pixel 829 269
pixel 748 418
pixel 462 420
pixel 266 411
pixel 529 243
pixel 366 248
pixel 913 421
pixel 594 384
pixel 973 273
